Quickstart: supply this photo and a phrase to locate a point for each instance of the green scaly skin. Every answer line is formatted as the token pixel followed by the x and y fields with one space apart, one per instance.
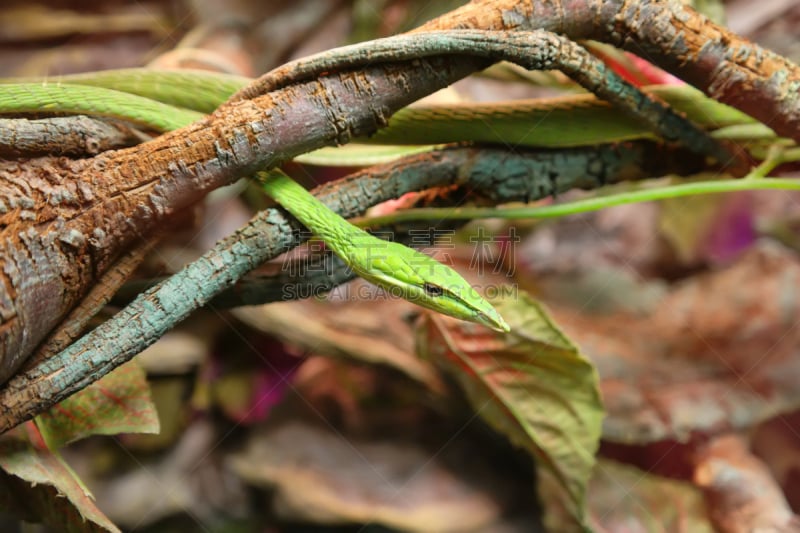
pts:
pixel 394 267
pixel 198 90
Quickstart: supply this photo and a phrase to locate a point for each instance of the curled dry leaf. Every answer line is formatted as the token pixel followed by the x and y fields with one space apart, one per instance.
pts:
pixel 189 478
pixel 741 494
pixel 364 400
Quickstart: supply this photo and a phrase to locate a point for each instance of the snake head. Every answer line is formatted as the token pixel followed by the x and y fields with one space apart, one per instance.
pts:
pixel 424 281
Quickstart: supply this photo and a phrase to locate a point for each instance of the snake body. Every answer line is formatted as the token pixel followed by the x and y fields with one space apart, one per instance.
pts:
pixel 198 90
pixel 401 270
pixel 21 98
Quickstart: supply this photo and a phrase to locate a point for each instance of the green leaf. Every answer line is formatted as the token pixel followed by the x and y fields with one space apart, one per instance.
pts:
pixel 118 403
pixel 532 385
pixel 36 485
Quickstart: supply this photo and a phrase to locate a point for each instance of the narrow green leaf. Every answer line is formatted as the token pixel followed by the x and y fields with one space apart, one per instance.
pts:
pixel 532 385
pixel 118 403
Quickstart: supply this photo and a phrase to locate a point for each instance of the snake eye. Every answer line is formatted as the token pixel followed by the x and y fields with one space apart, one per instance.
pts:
pixel 433 290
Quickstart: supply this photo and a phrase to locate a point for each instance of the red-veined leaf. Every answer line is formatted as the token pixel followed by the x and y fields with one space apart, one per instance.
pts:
pixel 118 403
pixel 532 385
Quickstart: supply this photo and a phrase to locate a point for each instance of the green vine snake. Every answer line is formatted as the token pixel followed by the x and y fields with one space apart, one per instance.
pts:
pixel 392 266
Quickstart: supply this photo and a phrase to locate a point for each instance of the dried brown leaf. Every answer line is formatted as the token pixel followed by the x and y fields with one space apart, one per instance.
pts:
pixel 364 325
pixel 719 352
pixel 188 479
pixel 323 477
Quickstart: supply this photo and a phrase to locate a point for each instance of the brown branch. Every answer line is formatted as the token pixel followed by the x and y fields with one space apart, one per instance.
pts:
pixel 724 65
pixel 74 136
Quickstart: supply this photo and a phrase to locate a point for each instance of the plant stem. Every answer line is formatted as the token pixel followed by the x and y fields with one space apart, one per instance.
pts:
pixel 582 206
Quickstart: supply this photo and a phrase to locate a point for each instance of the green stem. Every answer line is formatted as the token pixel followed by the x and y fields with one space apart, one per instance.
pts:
pixel 582 206
pixel 773 158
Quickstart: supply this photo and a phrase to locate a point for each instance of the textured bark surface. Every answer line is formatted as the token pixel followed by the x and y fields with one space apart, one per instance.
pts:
pixel 69 136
